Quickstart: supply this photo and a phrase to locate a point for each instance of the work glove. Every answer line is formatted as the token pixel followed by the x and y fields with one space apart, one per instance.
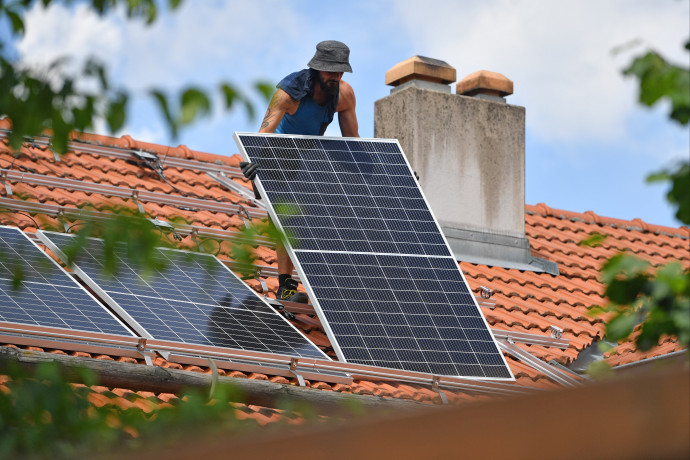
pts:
pixel 249 169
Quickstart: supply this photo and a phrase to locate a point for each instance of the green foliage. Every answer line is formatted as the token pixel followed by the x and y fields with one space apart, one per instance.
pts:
pixel 661 80
pixel 46 99
pixel 243 244
pixel 51 98
pixel 123 228
pixel 658 299
pixel 594 240
pixel 44 416
pixel 195 412
pixel 679 192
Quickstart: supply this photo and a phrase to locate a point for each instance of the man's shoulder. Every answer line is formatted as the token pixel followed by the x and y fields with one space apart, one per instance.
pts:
pixel 297 84
pixel 346 87
pixel 346 100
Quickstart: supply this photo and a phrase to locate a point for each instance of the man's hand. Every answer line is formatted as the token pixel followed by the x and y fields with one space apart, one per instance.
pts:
pixel 249 169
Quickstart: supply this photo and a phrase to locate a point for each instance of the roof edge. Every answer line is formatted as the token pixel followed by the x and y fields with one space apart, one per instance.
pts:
pixel 127 142
pixel 591 217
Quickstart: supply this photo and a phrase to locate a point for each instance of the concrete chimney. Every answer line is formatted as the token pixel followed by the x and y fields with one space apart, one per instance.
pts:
pixel 469 152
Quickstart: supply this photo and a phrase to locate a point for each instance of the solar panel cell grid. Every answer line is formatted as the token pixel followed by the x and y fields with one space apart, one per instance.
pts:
pixel 367 199
pixel 372 256
pixel 194 300
pixel 47 296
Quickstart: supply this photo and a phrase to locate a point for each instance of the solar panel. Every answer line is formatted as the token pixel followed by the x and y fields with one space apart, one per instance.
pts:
pixel 47 296
pixel 371 255
pixel 195 299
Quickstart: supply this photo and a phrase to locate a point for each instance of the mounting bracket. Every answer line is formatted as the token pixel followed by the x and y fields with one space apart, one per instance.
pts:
pixel 244 215
pixel 8 187
pixel 141 349
pixel 435 386
pixel 293 371
pixel 135 198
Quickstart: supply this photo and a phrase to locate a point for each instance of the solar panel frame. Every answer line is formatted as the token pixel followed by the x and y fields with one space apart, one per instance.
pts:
pixel 52 281
pixel 403 168
pixel 132 295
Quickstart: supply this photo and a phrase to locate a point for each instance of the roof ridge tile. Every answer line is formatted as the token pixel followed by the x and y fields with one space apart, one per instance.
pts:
pixel 591 217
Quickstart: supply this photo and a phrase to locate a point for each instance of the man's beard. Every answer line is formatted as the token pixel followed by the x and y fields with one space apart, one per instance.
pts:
pixel 329 87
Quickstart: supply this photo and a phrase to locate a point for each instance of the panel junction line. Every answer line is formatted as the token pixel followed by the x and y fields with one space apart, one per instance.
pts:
pixel 194 299
pixel 371 255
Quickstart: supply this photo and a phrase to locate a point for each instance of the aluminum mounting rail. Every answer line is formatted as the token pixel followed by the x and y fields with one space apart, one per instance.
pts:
pixel 314 368
pixel 126 154
pixel 77 213
pixel 123 192
pixel 223 180
pixel 521 337
pixel 336 368
pixel 531 339
pixel 553 372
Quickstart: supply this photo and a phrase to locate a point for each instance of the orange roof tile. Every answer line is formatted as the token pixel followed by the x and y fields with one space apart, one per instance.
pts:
pixel 525 302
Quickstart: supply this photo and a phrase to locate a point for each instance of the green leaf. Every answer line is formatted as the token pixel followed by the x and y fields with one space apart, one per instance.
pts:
pixel 193 103
pixel 626 291
pixel 621 326
pixel 61 132
pixel 604 347
pixel 230 94
pixel 661 80
pixel 117 112
pixel 83 116
pixel 266 89
pixel 679 192
pixel 95 68
pixel 594 240
pixel 17 22
pixel 599 370
pixel 233 95
pixel 674 277
pixel 623 265
pixel 162 102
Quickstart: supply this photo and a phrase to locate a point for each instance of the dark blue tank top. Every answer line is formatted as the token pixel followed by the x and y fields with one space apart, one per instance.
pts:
pixel 310 117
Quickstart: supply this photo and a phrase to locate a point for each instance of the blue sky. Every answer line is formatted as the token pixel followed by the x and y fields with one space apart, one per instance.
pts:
pixel 589 145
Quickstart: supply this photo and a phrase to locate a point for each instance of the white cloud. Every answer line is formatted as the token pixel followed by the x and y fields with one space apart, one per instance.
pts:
pixel 557 53
pixel 61 31
pixel 202 41
pixel 205 42
pixel 154 135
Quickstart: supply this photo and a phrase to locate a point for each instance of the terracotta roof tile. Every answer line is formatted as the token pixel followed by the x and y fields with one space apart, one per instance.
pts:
pixel 524 301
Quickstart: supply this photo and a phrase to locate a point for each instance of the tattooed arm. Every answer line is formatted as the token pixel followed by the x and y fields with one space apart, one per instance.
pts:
pixel 281 103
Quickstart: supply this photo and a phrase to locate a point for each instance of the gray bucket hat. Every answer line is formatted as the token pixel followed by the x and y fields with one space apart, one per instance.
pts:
pixel 331 56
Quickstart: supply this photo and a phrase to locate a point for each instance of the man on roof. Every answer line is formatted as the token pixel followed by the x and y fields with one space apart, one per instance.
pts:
pixel 305 103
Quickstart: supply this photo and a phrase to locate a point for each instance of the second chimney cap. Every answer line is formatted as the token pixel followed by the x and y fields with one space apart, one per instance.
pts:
pixel 485 82
pixel 421 68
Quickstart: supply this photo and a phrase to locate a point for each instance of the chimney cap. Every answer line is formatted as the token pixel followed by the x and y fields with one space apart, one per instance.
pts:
pixel 485 82
pixel 421 68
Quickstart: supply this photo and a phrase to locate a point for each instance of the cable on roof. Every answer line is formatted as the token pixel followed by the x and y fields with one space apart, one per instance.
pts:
pixel 22 213
pixel 152 160
pixel 69 229
pixel 31 170
pixel 160 224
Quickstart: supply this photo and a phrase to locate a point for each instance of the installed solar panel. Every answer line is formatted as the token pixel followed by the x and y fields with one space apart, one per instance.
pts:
pixel 46 296
pixel 371 255
pixel 195 299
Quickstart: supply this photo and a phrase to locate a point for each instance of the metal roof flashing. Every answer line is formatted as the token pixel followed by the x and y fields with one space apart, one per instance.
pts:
pixel 496 250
